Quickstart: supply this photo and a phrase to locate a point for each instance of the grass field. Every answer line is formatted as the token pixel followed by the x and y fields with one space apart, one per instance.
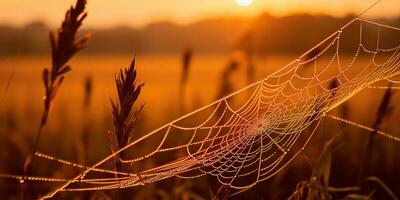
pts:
pixel 21 109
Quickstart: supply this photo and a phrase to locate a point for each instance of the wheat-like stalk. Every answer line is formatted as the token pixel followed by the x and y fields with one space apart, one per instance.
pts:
pixel 64 44
pixel 128 92
pixel 124 118
pixel 384 111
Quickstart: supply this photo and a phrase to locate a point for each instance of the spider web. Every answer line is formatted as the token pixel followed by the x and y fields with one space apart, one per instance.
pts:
pixel 252 134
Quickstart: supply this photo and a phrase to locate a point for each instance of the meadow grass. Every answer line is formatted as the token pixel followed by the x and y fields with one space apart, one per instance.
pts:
pixel 64 45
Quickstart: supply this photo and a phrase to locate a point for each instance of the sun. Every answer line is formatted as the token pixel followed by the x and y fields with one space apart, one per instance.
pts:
pixel 244 2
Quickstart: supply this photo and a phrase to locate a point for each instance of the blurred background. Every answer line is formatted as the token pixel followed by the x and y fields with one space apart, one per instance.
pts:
pixel 189 53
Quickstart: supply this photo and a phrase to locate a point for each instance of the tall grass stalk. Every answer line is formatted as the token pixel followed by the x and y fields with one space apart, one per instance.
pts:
pixel 384 111
pixel 186 61
pixel 10 78
pixel 86 106
pixel 226 86
pixel 64 44
pixel 84 140
pixel 124 117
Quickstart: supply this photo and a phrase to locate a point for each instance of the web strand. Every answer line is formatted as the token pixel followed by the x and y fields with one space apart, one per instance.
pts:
pixel 384 134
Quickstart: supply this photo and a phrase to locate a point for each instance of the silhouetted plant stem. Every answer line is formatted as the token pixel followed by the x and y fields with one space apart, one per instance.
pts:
pixel 28 169
pixel 88 85
pixel 124 119
pixel 186 60
pixel 7 86
pixel 226 85
pixel 11 77
pixel 64 45
pixel 384 111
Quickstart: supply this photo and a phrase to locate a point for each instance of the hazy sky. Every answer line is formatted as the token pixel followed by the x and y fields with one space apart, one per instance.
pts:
pixel 103 13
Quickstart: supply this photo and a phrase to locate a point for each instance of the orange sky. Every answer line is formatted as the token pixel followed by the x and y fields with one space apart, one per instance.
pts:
pixel 104 13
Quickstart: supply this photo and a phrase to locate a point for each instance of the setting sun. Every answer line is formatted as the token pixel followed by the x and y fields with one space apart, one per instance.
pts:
pixel 244 2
